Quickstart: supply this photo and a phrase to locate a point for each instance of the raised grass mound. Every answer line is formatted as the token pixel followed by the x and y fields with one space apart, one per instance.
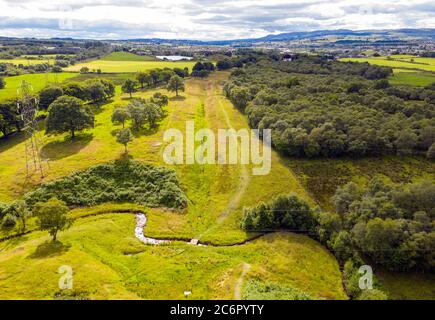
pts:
pixel 119 181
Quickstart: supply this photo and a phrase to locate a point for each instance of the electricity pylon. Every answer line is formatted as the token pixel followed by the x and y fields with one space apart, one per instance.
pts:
pixel 28 106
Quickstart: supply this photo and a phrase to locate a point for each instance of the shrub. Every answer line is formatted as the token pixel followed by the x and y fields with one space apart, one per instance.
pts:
pixel 119 181
pixel 373 294
pixel 9 221
pixel 285 211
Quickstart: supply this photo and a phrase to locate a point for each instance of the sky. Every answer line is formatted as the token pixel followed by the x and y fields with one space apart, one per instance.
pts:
pixel 205 19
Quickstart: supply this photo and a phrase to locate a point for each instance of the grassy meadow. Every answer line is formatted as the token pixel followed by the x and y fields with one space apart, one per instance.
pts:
pixel 110 263
pixel 37 80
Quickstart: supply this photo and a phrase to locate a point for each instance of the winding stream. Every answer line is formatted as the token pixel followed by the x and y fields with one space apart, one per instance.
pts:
pixel 141 221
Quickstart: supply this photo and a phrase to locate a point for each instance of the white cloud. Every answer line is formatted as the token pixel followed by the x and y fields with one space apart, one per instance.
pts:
pixel 205 19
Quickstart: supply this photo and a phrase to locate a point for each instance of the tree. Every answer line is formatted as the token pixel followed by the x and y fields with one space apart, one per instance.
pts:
pixel 142 78
pixel 160 99
pixel 154 74
pixel 84 70
pixel 406 142
pixel 95 90
pixel 166 74
pixel 120 115
pixel 2 83
pixel 124 137
pixel 152 113
pixel 109 88
pixel 48 95
pixel 68 114
pixel 56 69
pixel 75 89
pixel 137 114
pixel 224 64
pixel 22 212
pixel 176 84
pixel 53 216
pixel 129 86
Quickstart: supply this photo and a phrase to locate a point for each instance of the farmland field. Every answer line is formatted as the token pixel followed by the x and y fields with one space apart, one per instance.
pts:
pixel 126 56
pixel 26 62
pixel 38 81
pixel 409 77
pixel 408 70
pixel 113 66
pixel 403 62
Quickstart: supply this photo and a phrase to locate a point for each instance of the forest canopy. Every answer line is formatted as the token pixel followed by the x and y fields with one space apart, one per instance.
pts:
pixel 318 107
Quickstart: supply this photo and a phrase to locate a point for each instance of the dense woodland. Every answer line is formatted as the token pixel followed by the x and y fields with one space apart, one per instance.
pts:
pixel 390 225
pixel 317 107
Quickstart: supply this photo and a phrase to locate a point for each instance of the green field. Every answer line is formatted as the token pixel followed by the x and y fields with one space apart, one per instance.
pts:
pixel 110 263
pixel 126 56
pixel 401 62
pixel 26 62
pixel 37 80
pixel 114 66
pixel 409 77
pixel 408 70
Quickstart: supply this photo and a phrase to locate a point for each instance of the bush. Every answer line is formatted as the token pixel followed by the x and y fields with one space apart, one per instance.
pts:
pixel 373 294
pixel 257 290
pixel 9 221
pixel 285 211
pixel 120 181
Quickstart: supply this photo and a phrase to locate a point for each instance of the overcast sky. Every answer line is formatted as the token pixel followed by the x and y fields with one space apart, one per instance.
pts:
pixel 205 19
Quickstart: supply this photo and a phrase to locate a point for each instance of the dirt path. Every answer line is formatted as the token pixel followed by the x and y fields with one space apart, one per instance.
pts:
pixel 244 178
pixel 239 283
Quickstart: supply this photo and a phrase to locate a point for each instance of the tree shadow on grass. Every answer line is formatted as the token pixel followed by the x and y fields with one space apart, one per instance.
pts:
pixel 49 249
pixel 179 98
pixel 15 242
pixel 11 140
pixel 61 149
pixel 145 131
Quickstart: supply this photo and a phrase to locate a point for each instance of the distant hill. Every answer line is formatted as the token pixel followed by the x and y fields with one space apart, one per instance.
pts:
pixel 340 35
pixel 387 35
